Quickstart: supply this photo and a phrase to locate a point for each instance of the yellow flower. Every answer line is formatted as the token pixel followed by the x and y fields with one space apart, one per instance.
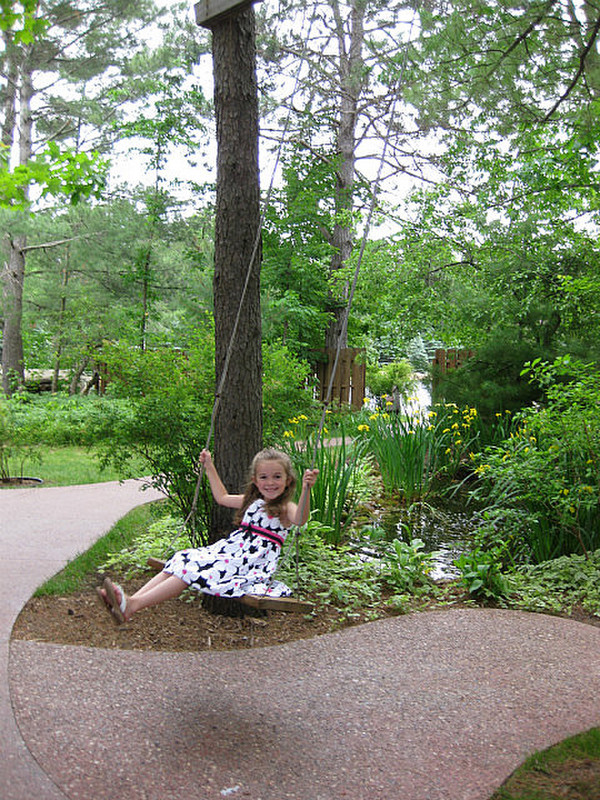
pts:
pixel 288 434
pixel 565 492
pixel 389 403
pixel 363 427
pixel 446 430
pixel 448 450
pixel 373 416
pixel 302 416
pixel 294 421
pixel 432 414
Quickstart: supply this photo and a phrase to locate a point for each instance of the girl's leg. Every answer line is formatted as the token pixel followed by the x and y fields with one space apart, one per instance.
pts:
pixel 159 588
pixel 149 585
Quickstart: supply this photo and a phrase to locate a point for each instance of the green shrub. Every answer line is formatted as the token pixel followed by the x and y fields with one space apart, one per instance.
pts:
pixel 160 540
pixel 491 381
pixel 548 470
pixel 336 575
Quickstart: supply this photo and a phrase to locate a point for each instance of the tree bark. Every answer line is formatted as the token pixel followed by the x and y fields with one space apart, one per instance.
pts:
pixel 13 273
pixel 238 426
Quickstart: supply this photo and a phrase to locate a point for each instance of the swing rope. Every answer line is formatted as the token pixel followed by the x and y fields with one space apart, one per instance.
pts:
pixel 345 320
pixel 346 316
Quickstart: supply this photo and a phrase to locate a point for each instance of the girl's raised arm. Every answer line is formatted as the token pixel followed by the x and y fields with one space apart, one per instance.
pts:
pixel 299 514
pixel 217 487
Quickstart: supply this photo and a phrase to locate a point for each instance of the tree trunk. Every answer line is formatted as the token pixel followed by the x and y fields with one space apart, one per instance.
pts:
pixel 61 321
pixel 13 274
pixel 238 426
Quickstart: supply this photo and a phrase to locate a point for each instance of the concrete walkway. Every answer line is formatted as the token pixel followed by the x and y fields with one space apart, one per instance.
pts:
pixel 40 530
pixel 436 706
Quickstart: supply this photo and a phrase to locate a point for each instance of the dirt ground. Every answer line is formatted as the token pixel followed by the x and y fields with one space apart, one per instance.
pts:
pixel 182 624
pixel 177 625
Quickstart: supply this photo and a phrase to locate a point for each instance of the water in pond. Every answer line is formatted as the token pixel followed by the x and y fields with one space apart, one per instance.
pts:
pixel 446 530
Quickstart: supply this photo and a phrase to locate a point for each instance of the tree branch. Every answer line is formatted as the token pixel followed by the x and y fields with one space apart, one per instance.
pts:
pixel 579 72
pixel 59 242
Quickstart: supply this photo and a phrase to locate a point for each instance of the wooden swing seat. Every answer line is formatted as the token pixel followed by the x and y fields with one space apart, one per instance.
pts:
pixel 259 601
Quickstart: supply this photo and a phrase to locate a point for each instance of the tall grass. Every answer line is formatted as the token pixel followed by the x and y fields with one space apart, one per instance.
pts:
pixel 342 478
pixel 415 452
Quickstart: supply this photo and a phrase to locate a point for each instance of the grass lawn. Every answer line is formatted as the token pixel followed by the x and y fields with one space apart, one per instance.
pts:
pixel 68 466
pixel 568 771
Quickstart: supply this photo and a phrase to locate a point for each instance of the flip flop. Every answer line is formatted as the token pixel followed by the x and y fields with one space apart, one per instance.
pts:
pixel 117 607
pixel 105 604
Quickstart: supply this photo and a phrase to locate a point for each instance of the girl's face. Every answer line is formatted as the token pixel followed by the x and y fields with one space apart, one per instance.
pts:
pixel 271 479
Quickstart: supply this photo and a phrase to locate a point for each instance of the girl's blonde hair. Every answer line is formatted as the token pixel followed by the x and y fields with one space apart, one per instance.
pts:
pixel 278 506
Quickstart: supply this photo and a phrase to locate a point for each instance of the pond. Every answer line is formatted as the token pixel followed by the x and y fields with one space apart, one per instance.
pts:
pixel 447 527
pixel 446 530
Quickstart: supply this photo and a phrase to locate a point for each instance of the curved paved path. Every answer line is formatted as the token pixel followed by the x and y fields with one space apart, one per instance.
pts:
pixel 437 706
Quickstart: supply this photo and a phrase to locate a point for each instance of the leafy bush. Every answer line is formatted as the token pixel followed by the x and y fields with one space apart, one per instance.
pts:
pixel 56 420
pixel 14 450
pixel 165 421
pixel 286 388
pixel 559 584
pixel 492 380
pixel 406 568
pixel 548 471
pixel 160 540
pixel 396 380
pixel 336 575
pixel 481 574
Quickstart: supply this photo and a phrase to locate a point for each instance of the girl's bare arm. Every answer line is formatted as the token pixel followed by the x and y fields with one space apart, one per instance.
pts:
pixel 217 487
pixel 299 514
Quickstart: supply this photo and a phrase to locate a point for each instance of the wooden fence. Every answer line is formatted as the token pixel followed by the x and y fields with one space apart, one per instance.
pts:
pixel 451 359
pixel 350 376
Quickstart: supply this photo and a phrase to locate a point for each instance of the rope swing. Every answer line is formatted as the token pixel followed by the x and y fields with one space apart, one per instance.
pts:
pixel 264 601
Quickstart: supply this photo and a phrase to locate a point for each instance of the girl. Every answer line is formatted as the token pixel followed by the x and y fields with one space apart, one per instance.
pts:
pixel 247 558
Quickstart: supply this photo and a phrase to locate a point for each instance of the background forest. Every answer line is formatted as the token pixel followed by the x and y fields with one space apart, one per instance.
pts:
pixel 485 235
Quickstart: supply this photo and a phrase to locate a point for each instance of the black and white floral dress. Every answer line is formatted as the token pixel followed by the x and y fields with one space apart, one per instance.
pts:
pixel 243 563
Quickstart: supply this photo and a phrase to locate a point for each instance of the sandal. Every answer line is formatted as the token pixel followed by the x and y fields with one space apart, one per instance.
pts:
pixel 105 604
pixel 117 607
